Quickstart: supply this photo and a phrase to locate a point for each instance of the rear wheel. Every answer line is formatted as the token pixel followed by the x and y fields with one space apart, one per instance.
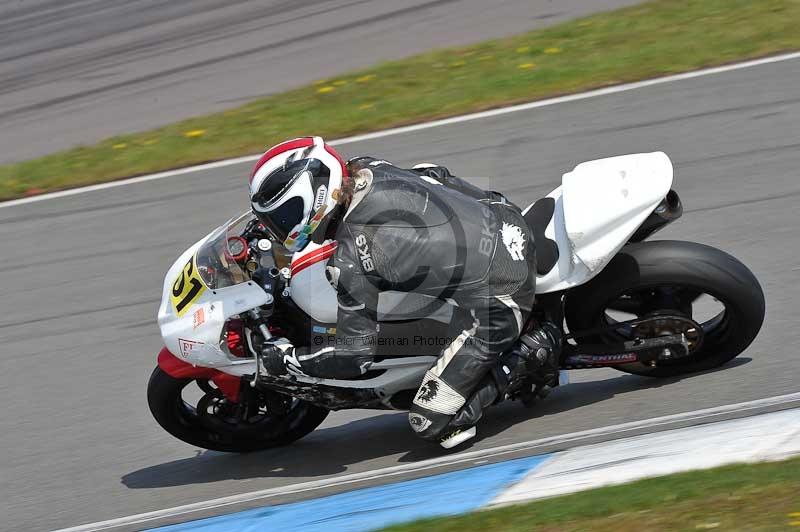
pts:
pixel 203 417
pixel 670 278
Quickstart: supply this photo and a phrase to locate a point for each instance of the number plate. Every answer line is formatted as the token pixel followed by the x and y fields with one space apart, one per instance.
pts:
pixel 187 288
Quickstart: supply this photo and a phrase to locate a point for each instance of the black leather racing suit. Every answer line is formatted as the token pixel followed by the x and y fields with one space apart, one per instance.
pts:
pixel 428 232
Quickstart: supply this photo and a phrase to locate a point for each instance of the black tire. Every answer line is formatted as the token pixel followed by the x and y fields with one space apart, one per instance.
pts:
pixel 182 421
pixel 696 267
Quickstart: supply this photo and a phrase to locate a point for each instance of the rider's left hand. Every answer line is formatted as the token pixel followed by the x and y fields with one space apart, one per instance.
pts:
pixel 274 354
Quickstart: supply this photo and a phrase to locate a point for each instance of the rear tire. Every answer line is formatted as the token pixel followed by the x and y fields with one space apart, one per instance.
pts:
pixel 184 421
pixel 649 266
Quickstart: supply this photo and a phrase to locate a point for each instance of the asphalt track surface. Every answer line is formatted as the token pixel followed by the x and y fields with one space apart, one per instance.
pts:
pixel 76 71
pixel 82 277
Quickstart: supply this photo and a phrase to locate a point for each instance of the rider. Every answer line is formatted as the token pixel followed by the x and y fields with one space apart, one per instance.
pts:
pixel 418 230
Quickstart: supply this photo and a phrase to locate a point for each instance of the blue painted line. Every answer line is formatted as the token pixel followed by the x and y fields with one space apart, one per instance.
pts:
pixel 370 508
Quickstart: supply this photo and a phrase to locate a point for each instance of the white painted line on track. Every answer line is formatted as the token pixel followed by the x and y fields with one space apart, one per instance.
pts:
pixel 696 416
pixel 425 125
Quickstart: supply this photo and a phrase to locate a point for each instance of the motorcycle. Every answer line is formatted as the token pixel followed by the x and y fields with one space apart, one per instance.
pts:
pixel 652 308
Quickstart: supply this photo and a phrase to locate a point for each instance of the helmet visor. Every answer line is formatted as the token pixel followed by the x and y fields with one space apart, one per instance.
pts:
pixel 285 217
pixel 279 182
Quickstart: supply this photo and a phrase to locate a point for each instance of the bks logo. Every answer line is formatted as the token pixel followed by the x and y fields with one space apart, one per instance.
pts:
pixel 363 253
pixel 488 230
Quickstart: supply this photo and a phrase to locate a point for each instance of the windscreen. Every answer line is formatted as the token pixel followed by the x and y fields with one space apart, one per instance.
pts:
pixel 214 258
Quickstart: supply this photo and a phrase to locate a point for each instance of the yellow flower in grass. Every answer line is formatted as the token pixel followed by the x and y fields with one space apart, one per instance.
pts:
pixel 326 89
pixel 523 49
pixel 194 133
pixel 552 50
pixel 366 78
pixel 365 106
pixel 456 64
pixel 150 142
pixel 321 82
pixel 527 66
pixel 485 57
pixel 340 82
pixel 119 146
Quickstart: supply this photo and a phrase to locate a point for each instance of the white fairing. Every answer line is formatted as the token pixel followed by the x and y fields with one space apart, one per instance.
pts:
pixel 311 289
pixel 200 342
pixel 598 207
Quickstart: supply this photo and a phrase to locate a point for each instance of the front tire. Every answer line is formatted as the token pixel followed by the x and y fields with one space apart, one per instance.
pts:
pixel 668 276
pixel 211 423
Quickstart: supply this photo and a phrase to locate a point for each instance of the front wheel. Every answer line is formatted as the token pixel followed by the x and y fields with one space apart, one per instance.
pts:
pixel 203 417
pixel 675 278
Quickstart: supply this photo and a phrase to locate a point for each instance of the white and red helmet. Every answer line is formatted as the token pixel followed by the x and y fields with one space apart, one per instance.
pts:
pixel 294 189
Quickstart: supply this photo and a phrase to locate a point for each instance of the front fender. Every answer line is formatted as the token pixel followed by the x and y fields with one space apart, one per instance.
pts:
pixel 176 368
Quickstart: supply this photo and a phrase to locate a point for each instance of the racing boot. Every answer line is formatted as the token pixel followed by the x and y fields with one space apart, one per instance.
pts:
pixel 462 427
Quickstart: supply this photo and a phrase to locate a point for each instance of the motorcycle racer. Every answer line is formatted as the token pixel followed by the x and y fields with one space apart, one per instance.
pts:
pixel 419 230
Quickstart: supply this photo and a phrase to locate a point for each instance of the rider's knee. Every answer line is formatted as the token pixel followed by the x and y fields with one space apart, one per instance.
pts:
pixel 490 348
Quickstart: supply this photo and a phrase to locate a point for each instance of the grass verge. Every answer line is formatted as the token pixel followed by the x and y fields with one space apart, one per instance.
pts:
pixel 759 497
pixel 652 39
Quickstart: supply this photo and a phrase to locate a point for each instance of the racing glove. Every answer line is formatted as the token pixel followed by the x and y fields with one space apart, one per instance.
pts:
pixel 278 357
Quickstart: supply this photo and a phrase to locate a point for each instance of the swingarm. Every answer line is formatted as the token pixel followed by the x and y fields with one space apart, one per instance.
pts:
pixel 648 341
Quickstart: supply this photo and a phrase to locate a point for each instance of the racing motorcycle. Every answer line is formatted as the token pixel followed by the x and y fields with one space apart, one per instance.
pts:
pixel 652 308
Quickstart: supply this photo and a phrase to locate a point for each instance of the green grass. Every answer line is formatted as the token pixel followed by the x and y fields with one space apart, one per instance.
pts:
pixel 652 39
pixel 758 497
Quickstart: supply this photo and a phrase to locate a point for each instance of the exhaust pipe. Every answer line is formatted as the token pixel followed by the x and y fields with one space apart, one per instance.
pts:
pixel 669 210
